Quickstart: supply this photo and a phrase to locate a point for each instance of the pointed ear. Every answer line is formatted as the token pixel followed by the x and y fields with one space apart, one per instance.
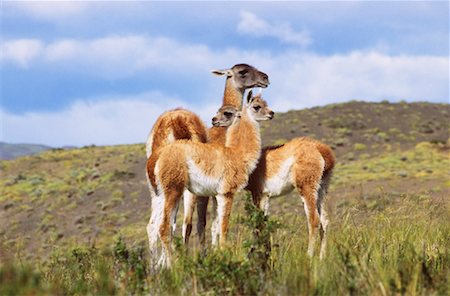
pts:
pixel 222 72
pixel 249 97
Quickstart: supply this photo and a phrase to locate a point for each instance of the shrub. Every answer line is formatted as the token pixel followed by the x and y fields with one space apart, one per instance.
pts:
pixel 359 146
pixel 258 246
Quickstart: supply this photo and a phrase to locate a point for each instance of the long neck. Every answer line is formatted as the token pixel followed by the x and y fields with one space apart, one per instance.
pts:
pixel 231 95
pixel 217 135
pixel 244 139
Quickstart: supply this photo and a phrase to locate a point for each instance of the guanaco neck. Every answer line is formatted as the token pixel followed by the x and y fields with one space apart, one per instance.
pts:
pixel 231 95
pixel 217 135
pixel 243 139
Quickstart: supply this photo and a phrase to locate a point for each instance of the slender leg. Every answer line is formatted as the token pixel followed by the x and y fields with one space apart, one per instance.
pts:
pixel 323 232
pixel 215 224
pixel 173 217
pixel 152 242
pixel 326 178
pixel 157 205
pixel 264 204
pixel 256 198
pixel 202 208
pixel 224 204
pixel 309 196
pixel 189 203
pixel 165 236
pixel 170 201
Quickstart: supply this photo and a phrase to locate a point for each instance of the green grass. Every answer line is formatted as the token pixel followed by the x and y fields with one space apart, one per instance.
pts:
pixel 68 209
pixel 378 246
pixel 422 162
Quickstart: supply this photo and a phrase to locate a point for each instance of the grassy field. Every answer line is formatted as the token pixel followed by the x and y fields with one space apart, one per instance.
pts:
pixel 383 245
pixel 73 222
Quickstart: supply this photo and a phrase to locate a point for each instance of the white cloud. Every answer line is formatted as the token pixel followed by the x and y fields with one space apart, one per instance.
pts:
pixel 105 121
pixel 110 57
pixel 310 80
pixel 317 79
pixel 298 79
pixel 252 25
pixel 51 10
pixel 21 51
pixel 305 80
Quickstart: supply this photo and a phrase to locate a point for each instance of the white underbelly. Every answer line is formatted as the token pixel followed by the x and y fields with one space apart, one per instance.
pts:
pixel 281 182
pixel 201 184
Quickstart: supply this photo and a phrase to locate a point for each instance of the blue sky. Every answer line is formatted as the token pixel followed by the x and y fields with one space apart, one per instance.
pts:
pixel 80 73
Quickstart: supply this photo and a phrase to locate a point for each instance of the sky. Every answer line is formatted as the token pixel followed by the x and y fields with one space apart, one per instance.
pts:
pixel 101 72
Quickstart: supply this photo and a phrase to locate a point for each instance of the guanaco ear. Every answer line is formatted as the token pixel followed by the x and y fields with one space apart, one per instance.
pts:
pixel 227 72
pixel 250 97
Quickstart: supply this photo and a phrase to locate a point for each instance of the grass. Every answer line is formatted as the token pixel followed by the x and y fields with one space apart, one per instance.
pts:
pixel 422 162
pixel 382 245
pixel 75 224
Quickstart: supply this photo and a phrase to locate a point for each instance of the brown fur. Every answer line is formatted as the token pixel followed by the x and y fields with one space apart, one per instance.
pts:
pixel 302 149
pixel 239 78
pixel 176 167
pixel 184 124
pixel 314 162
pixel 181 124
pixel 232 96
pixel 217 134
pixel 313 165
pixel 178 124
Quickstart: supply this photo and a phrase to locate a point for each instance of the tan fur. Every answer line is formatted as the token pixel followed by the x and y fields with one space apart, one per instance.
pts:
pixel 180 124
pixel 239 78
pixel 185 125
pixel 183 164
pixel 217 134
pixel 175 125
pixel 231 96
pixel 310 173
pixel 275 154
pixel 310 176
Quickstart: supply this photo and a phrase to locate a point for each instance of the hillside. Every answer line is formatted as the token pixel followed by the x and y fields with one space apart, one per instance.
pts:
pixel 356 128
pixel 387 153
pixel 11 151
pixel 97 191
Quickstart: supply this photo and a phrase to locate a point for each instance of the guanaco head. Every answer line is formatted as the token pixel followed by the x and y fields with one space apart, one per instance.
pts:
pixel 245 76
pixel 256 106
pixel 225 116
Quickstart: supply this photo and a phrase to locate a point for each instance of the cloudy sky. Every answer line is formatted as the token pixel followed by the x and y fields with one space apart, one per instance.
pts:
pixel 80 73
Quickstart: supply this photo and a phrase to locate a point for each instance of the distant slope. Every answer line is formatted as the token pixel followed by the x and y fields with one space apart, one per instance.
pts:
pixel 64 197
pixel 355 127
pixel 11 151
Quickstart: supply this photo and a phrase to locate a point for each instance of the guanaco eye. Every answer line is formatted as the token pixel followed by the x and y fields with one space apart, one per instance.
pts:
pixel 243 73
pixel 228 114
pixel 257 108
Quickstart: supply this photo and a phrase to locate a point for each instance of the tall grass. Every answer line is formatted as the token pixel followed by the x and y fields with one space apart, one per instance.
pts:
pixel 380 246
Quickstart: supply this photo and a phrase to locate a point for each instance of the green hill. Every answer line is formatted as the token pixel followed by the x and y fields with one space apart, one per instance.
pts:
pixel 392 159
pixel 356 128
